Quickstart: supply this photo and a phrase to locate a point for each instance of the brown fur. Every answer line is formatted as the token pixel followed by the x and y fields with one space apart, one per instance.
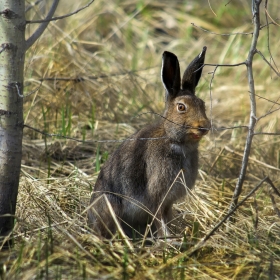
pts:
pixel 137 178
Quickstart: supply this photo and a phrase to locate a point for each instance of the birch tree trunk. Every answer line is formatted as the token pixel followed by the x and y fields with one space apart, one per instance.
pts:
pixel 12 54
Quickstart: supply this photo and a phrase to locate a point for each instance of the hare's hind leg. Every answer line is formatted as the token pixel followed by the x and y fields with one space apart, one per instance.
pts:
pixel 163 217
pixel 100 215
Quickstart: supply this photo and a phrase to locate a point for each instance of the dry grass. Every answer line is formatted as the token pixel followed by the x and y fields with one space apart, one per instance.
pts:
pixel 111 54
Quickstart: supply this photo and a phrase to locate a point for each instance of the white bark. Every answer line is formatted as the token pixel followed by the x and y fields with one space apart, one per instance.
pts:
pixel 12 54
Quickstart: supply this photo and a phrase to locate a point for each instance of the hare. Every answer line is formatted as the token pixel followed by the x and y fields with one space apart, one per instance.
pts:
pixel 139 179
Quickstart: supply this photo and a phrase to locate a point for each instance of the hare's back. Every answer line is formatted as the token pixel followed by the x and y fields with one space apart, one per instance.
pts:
pixel 125 170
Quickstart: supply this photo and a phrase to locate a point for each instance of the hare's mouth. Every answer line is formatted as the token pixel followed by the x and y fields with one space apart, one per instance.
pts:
pixel 197 135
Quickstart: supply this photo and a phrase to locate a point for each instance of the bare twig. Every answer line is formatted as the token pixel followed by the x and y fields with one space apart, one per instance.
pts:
pixel 253 120
pixel 267 24
pixel 211 8
pixel 273 187
pixel 187 126
pixel 119 141
pixel 92 141
pixel 29 7
pixel 266 12
pixel 274 102
pixel 81 79
pixel 211 103
pixel 222 34
pixel 60 17
pixel 21 95
pixel 39 31
pixel 268 35
pixel 271 67
pixel 267 133
pixel 127 139
pixel 226 65
pixel 230 127
pixel 103 76
pixel 268 113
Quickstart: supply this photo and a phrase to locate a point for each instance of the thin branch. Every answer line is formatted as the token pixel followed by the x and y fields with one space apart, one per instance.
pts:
pixel 211 101
pixel 26 95
pixel 60 17
pixel 39 31
pixel 81 79
pixel 267 24
pixel 211 8
pixel 228 3
pixel 77 80
pixel 187 126
pixel 234 33
pixel 268 35
pixel 230 127
pixel 271 67
pixel 253 120
pixel 274 102
pixel 225 65
pixel 267 133
pixel 271 18
pixel 222 34
pixel 92 141
pixel 29 7
pixel 19 89
pixel 270 110
pixel 114 141
pixel 268 113
pixel 273 187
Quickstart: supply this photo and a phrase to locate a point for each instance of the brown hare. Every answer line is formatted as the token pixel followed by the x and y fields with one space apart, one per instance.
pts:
pixel 139 178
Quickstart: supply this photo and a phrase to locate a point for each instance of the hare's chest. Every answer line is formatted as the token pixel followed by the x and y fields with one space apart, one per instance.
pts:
pixel 187 161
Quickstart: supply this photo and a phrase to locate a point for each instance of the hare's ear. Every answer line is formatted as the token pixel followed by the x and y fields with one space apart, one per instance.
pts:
pixel 193 72
pixel 170 74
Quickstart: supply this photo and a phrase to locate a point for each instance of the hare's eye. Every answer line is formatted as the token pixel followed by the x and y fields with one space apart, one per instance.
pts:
pixel 181 107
